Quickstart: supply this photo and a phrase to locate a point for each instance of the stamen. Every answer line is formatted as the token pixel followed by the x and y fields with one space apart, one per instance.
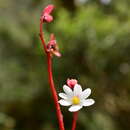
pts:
pixel 75 100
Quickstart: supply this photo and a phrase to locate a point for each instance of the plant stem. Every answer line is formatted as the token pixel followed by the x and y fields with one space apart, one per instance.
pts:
pixel 51 82
pixel 55 97
pixel 41 36
pixel 75 116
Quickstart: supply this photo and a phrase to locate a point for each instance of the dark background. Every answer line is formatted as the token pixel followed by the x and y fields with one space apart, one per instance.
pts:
pixel 94 39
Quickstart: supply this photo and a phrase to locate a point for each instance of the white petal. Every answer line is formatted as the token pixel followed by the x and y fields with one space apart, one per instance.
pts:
pixel 67 90
pixel 75 108
pixel 63 95
pixel 88 102
pixel 86 93
pixel 77 90
pixel 64 102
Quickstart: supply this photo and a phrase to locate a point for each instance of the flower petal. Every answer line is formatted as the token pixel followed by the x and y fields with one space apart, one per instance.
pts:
pixel 86 93
pixel 67 90
pixel 77 90
pixel 56 53
pixel 63 95
pixel 64 102
pixel 88 102
pixel 75 108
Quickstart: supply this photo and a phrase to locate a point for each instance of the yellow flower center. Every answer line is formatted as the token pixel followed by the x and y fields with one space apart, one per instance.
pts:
pixel 75 100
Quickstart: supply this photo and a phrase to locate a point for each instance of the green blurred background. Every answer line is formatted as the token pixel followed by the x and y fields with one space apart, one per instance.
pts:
pixel 94 39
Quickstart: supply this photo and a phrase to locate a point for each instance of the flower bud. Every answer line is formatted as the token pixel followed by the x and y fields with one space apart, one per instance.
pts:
pixel 52 46
pixel 46 17
pixel 71 82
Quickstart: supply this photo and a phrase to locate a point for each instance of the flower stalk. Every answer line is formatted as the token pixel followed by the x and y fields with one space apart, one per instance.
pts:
pixel 49 18
pixel 54 93
pixel 41 36
pixel 75 117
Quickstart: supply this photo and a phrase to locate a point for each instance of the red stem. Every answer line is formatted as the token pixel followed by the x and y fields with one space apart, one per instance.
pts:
pixel 75 116
pixel 55 97
pixel 41 36
pixel 51 82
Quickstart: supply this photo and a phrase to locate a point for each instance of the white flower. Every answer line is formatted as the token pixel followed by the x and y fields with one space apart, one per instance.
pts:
pixel 75 98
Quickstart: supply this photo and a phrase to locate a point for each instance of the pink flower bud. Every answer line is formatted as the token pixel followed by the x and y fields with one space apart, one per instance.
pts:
pixel 52 46
pixel 71 82
pixel 46 17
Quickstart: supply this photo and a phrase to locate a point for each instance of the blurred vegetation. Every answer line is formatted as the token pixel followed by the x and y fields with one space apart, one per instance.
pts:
pixel 94 39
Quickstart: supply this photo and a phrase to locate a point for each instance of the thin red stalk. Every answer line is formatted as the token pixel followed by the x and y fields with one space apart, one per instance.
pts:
pixel 41 36
pixel 51 82
pixel 75 117
pixel 55 97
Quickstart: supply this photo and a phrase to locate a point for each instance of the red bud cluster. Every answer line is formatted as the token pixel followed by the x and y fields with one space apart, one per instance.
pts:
pixel 46 17
pixel 52 46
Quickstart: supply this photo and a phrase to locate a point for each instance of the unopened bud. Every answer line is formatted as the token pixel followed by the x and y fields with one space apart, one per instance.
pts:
pixel 71 82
